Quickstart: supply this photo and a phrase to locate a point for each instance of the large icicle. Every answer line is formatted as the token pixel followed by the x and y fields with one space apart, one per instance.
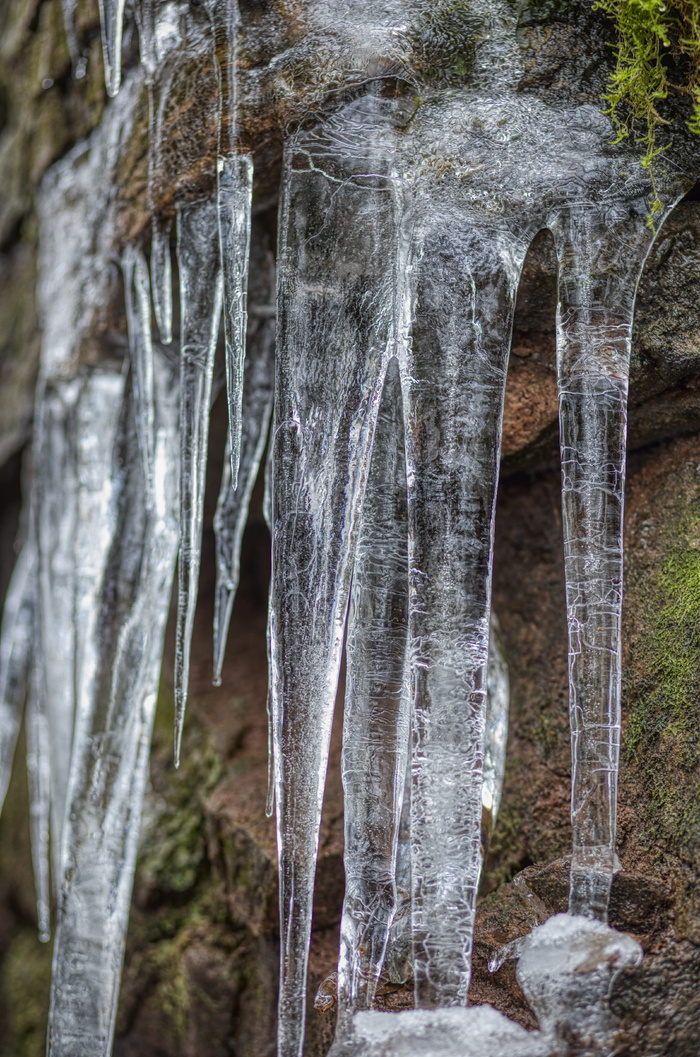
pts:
pixel 200 313
pixel 601 253
pixel 335 318
pixel 110 761
pixel 16 640
pixel 465 282
pixel 376 717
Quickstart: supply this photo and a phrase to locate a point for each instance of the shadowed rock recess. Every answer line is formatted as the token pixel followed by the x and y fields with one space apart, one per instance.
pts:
pixel 201 968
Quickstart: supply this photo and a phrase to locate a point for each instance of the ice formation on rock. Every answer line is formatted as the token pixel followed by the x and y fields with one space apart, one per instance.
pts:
pixel 404 224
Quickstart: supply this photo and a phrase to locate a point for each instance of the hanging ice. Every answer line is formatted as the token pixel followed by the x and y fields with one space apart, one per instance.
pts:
pixel 110 758
pixel 376 717
pixel 336 320
pixel 232 508
pixel 112 22
pixel 55 490
pixel 16 635
pixel 200 312
pixel 234 176
pixel 601 252
pixel 138 316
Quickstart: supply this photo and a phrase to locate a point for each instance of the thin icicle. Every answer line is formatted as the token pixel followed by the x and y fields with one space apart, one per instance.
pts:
pixel 16 644
pixel 376 723
pixel 56 504
pixel 110 762
pixel 336 318
pixel 112 23
pixel 496 730
pixel 39 774
pixel 200 312
pixel 138 316
pixel 234 182
pixel 69 9
pixel 232 508
pixel 235 194
pixel 162 278
pixel 601 254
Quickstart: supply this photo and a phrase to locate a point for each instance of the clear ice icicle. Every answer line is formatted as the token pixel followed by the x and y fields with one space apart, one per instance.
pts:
pixel 376 717
pixel 16 639
pixel 112 23
pixel 39 775
pixel 162 278
pixel 234 182
pixel 138 317
pixel 69 9
pixel 464 277
pixel 258 393
pixel 601 252
pixel 55 499
pixel 232 508
pixel 235 192
pixel 336 314
pixel 110 761
pixel 200 313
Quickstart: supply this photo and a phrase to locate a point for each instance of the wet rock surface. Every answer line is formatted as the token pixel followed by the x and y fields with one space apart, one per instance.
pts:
pixel 201 966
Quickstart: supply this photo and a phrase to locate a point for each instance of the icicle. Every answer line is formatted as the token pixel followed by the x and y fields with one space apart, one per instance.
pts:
pixel 138 316
pixel 39 774
pixel 200 311
pixel 162 279
pixel 336 313
pixel 69 9
pixel 234 193
pixel 112 22
pixel 601 253
pixel 464 279
pixel 16 636
pixel 232 508
pixel 496 731
pixel 376 723
pixel 55 496
pixel 110 762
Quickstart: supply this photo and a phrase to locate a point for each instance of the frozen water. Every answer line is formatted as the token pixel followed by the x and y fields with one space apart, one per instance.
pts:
pixel 200 313
pixel 232 508
pixel 567 969
pixel 377 717
pixel 137 296
pixel 480 1031
pixel 110 758
pixel 16 637
pixel 111 21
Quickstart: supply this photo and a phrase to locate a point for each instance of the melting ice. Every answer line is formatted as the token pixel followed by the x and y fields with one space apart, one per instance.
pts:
pixel 405 218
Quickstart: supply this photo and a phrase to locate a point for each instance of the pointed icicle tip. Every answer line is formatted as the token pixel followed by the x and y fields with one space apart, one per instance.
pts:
pixel 111 21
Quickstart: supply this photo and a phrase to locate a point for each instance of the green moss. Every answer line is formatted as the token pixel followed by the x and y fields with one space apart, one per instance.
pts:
pixel 662 732
pixel 657 53
pixel 26 975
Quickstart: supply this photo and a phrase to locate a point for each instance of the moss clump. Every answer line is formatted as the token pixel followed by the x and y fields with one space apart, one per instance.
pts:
pixel 662 733
pixel 657 53
pixel 26 977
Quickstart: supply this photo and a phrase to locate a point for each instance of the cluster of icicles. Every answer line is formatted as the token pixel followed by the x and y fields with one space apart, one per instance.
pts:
pixel 401 240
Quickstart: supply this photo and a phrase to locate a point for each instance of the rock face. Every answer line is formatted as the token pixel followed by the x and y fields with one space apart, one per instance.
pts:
pixel 201 966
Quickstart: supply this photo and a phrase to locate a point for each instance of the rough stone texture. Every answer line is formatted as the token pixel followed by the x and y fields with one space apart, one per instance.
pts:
pixel 201 965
